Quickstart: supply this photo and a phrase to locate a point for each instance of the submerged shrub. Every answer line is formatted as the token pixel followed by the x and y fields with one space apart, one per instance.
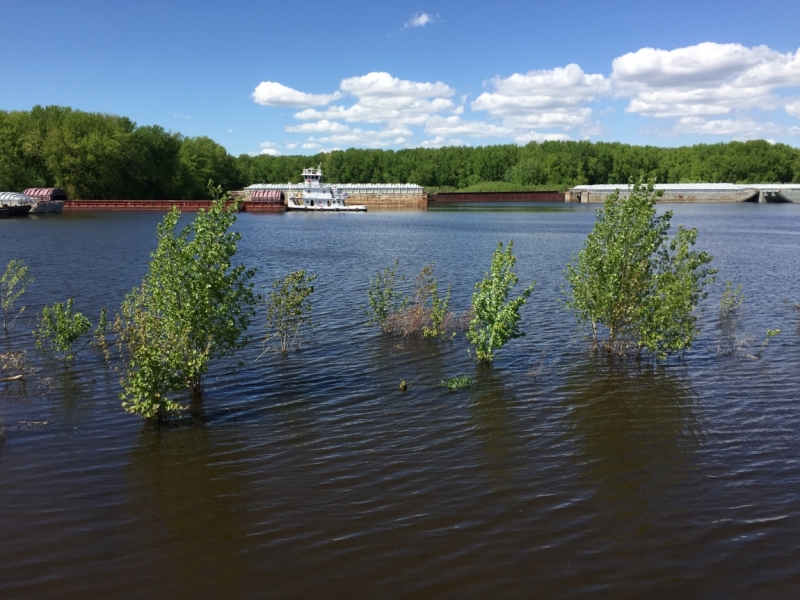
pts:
pixel 289 311
pixel 13 282
pixel 59 328
pixel 496 319
pixel 193 306
pixel 461 382
pixel 636 287
pixel 424 313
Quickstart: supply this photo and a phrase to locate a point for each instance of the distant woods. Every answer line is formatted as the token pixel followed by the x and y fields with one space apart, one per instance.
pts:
pixel 93 155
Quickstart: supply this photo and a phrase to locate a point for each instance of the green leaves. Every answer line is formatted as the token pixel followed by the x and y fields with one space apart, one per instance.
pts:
pixel 191 308
pixel 59 328
pixel 12 285
pixel 289 311
pixel 423 313
pixel 495 319
pixel 384 298
pixel 634 286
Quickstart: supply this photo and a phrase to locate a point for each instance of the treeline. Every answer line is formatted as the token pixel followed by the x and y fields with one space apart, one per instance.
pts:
pixel 551 165
pixel 94 155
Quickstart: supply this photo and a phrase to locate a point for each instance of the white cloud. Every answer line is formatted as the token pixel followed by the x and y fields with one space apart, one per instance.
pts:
pixel 453 125
pixel 535 136
pixel 180 116
pixel 291 146
pixel 323 126
pixel 229 131
pixel 382 84
pixel 708 79
pixel 793 108
pixel 381 98
pixel 439 142
pixel 420 19
pixel 271 93
pixel 740 128
pixel 367 137
pixel 549 98
pixel 269 148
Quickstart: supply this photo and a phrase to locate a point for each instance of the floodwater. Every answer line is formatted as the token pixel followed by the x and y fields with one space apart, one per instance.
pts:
pixel 558 474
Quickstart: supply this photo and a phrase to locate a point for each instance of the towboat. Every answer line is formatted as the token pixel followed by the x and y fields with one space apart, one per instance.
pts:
pixel 318 197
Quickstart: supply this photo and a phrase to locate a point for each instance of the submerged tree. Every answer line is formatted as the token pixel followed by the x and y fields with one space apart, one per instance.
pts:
pixel 496 319
pixel 193 306
pixel 12 285
pixel 59 328
pixel 636 287
pixel 289 311
pixel 422 313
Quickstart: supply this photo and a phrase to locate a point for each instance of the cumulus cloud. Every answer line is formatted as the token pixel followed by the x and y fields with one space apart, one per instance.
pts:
pixel 269 149
pixel 381 98
pixel 740 128
pixel 535 136
pixel 547 98
pixel 367 137
pixel 708 89
pixel 272 93
pixel 323 126
pixel 419 19
pixel 454 125
pixel 440 141
pixel 708 79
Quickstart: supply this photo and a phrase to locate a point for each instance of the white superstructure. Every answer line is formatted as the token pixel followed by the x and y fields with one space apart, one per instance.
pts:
pixel 312 195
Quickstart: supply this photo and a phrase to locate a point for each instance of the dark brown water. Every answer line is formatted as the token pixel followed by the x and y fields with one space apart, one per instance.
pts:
pixel 557 475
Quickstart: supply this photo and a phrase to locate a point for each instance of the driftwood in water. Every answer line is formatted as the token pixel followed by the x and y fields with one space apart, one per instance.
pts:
pixel 13 378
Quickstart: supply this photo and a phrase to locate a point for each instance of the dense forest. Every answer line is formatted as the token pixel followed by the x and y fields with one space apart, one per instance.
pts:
pixel 93 155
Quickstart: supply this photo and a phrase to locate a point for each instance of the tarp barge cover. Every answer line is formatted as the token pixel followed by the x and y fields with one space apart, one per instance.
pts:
pixel 46 194
pixel 267 196
pixel 16 199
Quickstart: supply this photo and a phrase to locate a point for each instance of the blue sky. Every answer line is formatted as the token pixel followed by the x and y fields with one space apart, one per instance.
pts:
pixel 303 76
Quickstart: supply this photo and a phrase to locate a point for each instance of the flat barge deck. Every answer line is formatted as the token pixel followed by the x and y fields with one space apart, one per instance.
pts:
pixel 162 205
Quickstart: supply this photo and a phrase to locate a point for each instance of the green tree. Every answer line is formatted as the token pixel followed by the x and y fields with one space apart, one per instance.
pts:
pixel 636 287
pixel 59 328
pixel 201 159
pixel 193 306
pixel 12 285
pixel 495 318
pixel 289 311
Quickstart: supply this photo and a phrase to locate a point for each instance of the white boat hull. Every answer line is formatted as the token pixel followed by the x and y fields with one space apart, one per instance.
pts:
pixel 346 208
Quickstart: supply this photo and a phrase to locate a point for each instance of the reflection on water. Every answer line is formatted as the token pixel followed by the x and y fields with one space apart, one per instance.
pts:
pixel 493 422
pixel 636 430
pixel 187 494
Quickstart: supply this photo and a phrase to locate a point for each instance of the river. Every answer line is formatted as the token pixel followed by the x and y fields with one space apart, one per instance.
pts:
pixel 558 474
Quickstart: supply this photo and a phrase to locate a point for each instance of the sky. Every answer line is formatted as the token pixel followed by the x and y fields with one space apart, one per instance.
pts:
pixel 307 76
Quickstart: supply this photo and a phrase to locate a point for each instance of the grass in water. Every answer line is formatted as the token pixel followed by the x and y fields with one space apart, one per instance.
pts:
pixel 462 382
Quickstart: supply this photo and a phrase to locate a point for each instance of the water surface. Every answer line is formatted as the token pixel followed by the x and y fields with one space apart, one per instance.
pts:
pixel 559 474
